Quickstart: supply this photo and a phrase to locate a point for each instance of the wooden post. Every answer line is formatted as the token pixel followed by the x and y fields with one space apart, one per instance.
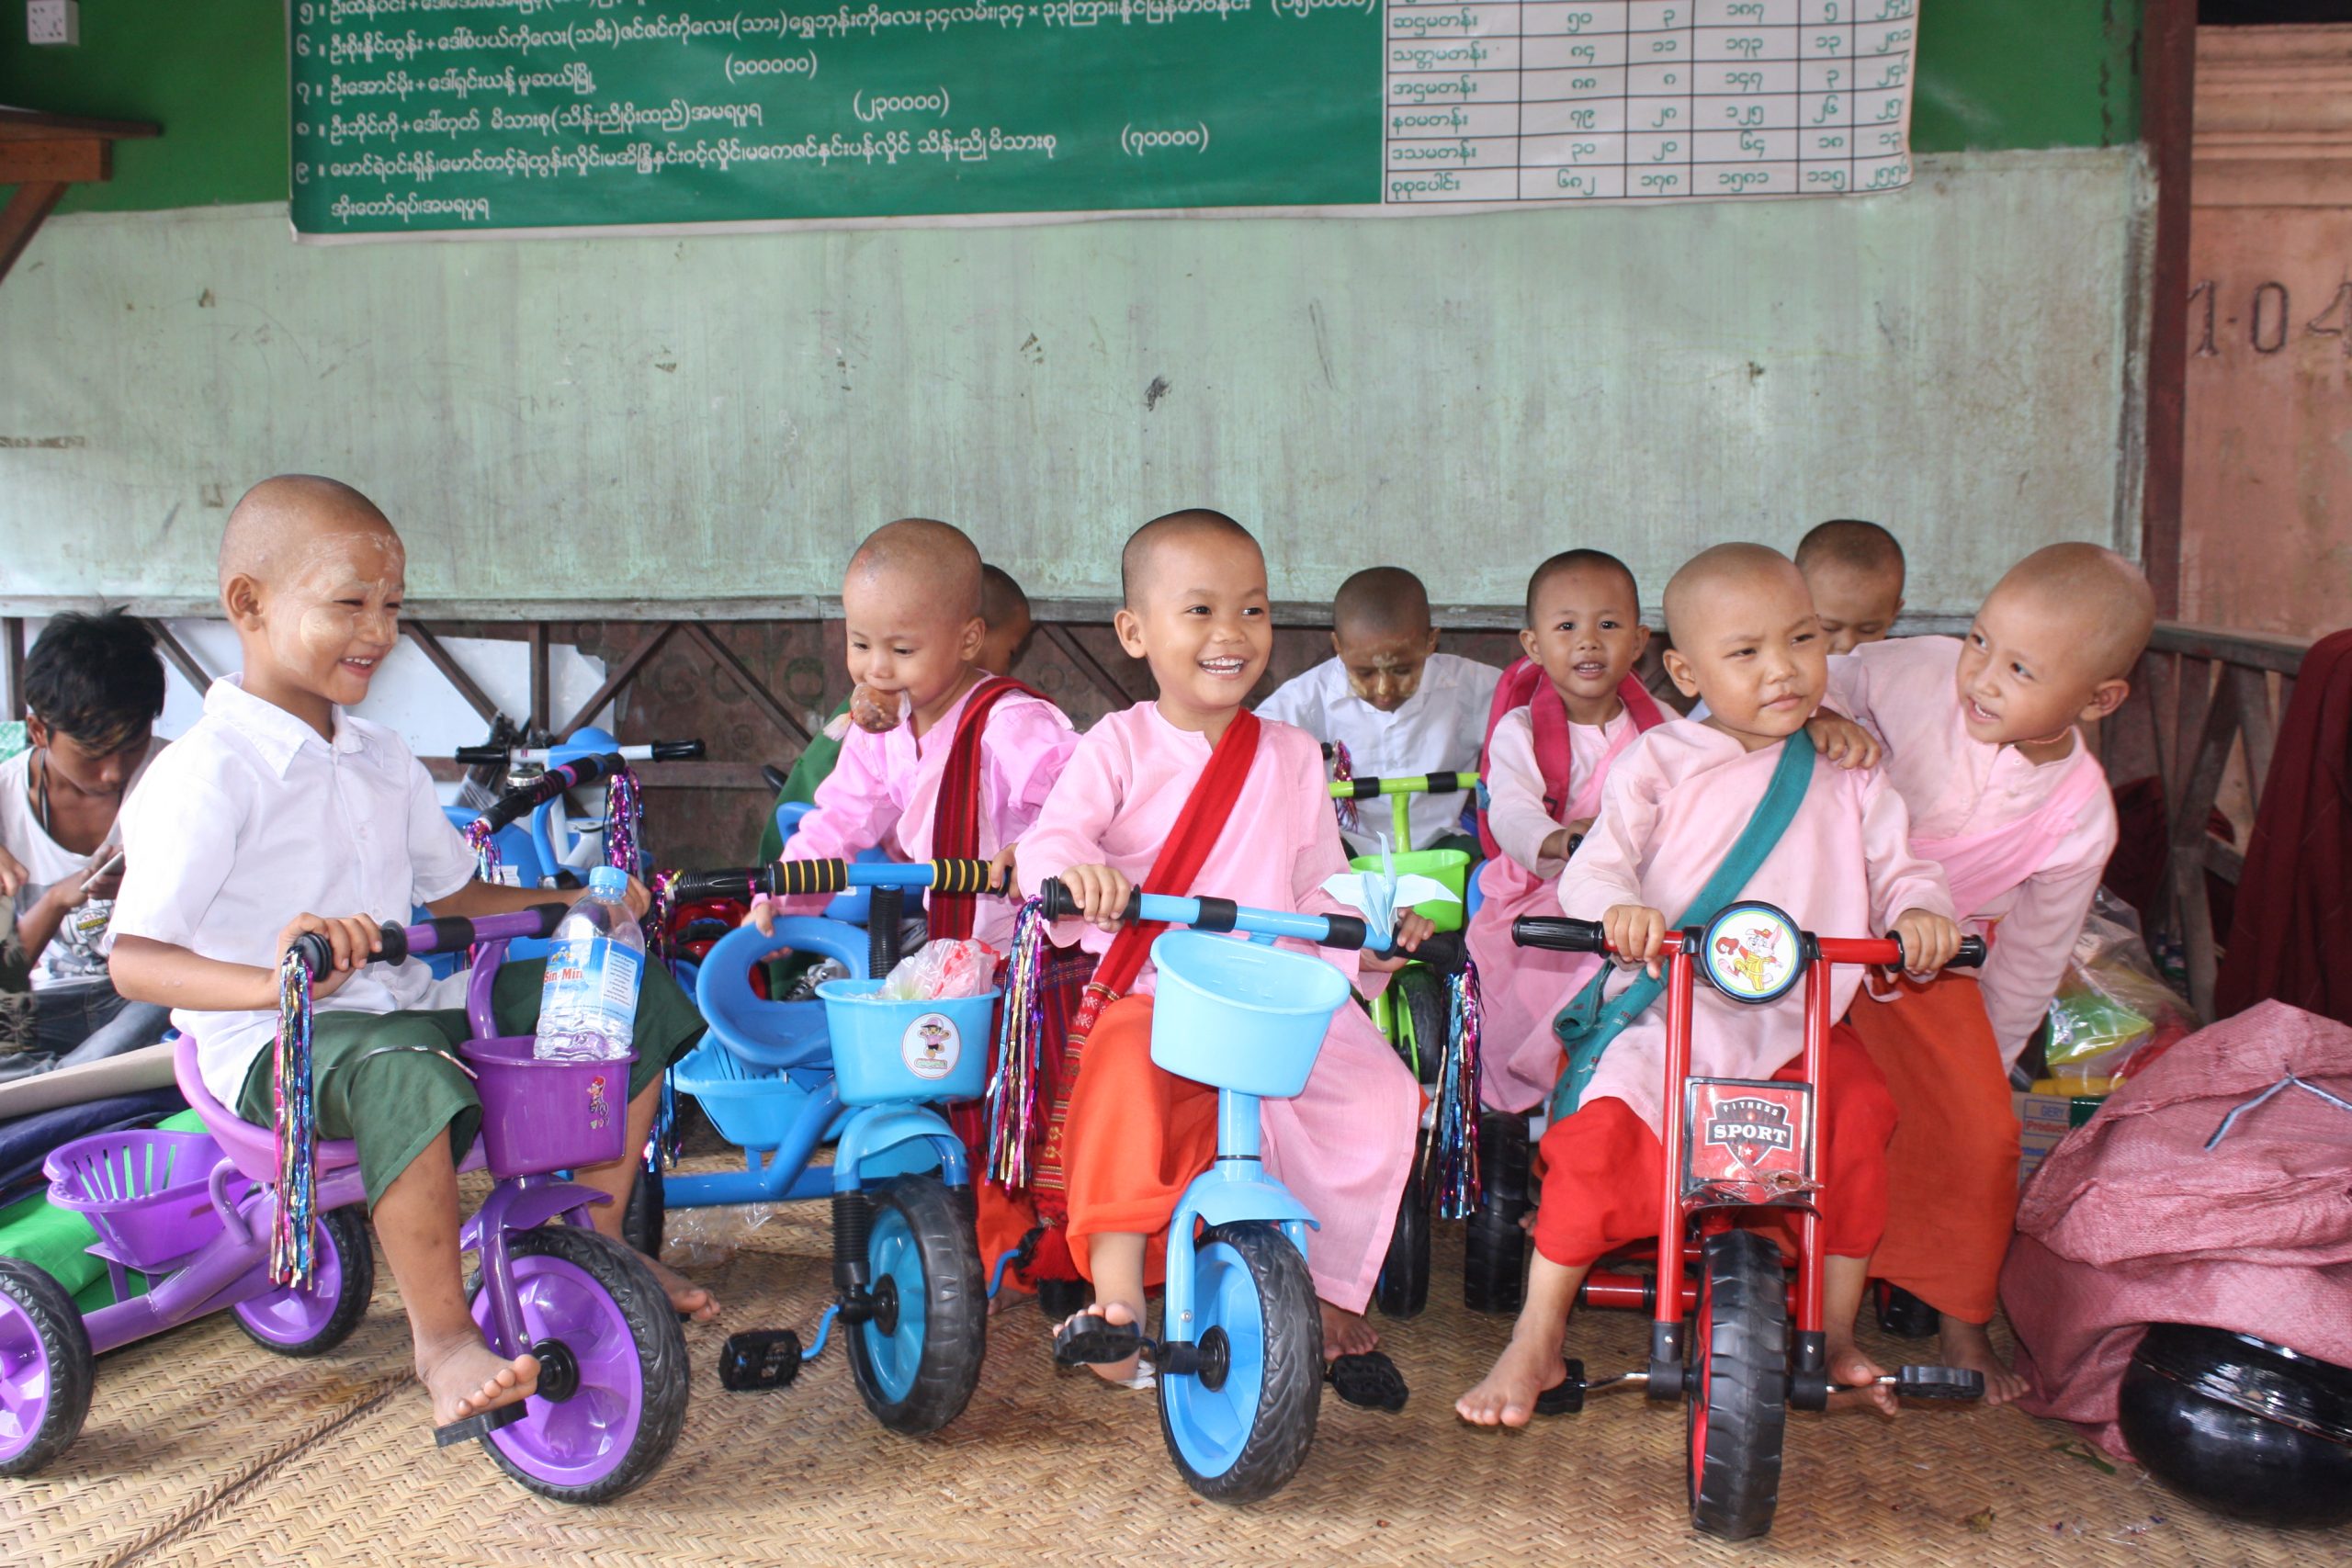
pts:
pixel 12 633
pixel 2167 104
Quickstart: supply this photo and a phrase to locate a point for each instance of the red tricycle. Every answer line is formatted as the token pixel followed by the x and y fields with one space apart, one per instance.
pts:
pixel 1741 1151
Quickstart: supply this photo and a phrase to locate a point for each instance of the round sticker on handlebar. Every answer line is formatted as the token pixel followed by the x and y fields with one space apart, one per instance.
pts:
pixel 1752 952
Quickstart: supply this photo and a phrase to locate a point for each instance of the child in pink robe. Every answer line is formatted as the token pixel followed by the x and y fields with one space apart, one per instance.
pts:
pixel 1343 1146
pixel 2008 800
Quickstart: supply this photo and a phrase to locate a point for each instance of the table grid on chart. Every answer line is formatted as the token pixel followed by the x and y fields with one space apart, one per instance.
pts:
pixel 1568 100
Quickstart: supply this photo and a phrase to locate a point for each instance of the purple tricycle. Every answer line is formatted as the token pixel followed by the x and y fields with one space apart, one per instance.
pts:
pixel 191 1213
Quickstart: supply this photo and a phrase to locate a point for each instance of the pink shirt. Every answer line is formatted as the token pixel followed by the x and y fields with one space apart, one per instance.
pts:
pixel 1515 812
pixel 1675 802
pixel 1958 788
pixel 1118 799
pixel 884 791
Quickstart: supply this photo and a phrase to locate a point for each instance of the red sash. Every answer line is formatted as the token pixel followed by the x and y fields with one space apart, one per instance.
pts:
pixel 956 815
pixel 1196 832
pixel 1525 685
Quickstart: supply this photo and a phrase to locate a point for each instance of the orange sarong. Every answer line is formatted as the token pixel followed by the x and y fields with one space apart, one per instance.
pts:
pixel 1136 1138
pixel 1953 1167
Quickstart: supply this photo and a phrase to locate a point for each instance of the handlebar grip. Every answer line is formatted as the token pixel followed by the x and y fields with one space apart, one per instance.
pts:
pixel 481 756
pixel 963 876
pixel 732 883
pixel 318 953
pixel 1559 933
pixel 577 774
pixel 776 777
pixel 1055 902
pixel 1971 952
pixel 677 750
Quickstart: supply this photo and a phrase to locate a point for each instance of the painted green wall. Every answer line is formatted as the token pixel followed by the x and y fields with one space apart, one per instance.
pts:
pixel 1993 73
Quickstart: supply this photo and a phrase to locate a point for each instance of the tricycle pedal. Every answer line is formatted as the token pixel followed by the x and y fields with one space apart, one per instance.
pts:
pixel 1936 1383
pixel 759 1359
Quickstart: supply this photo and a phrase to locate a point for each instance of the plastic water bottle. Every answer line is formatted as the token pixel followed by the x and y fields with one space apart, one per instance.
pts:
pixel 588 1002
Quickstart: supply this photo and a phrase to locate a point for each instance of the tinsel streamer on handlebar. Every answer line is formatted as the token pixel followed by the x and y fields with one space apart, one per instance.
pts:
pixel 1453 1133
pixel 295 1128
pixel 1344 771
pixel 1015 1102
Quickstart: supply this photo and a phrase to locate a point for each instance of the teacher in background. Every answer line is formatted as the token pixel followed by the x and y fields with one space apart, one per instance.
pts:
pixel 94 688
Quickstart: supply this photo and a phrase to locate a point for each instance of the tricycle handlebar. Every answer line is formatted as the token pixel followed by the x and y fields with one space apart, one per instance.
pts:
pixel 794 877
pixel 1563 934
pixel 442 934
pixel 1224 915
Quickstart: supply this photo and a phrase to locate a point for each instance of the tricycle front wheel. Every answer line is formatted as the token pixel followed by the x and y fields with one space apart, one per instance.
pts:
pixel 1738 1386
pixel 1240 1427
pixel 917 1360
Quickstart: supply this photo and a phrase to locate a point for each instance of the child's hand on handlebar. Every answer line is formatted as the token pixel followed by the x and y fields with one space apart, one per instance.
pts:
pixel 1002 871
pixel 1929 940
pixel 761 915
pixel 1412 929
pixel 1635 935
pixel 355 938
pixel 1100 892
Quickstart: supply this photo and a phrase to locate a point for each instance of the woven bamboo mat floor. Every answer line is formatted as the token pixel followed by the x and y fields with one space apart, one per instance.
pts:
pixel 202 1449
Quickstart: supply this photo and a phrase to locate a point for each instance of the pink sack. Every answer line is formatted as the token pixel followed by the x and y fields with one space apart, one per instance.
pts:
pixel 2132 1220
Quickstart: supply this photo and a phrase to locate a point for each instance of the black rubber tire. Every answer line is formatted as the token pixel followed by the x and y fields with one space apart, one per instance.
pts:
pixel 1494 1247
pixel 73 1367
pixel 1421 1006
pixel 661 1357
pixel 1291 1390
pixel 1737 1385
pixel 648 1215
pixel 1403 1289
pixel 347 1232
pixel 956 1310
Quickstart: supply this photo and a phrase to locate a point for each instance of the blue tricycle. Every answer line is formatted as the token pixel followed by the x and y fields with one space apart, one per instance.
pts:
pixel 779 1078
pixel 1239 1359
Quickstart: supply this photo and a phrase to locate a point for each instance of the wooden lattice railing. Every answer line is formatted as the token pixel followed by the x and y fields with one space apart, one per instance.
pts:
pixel 2203 712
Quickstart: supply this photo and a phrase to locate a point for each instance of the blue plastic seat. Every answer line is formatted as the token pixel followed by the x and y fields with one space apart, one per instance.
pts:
pixel 764 1033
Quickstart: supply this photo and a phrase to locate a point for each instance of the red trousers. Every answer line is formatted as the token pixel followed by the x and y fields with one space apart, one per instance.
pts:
pixel 1952 1168
pixel 1601 1166
pixel 1137 1136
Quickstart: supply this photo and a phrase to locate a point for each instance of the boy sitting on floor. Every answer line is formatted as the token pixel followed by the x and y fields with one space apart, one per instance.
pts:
pixel 2005 795
pixel 278 804
pixel 1854 572
pixel 1399 707
pixel 1677 802
pixel 1193 795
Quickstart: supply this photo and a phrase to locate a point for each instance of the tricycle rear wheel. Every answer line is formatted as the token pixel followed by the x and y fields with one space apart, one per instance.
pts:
pixel 1402 1288
pixel 313 1320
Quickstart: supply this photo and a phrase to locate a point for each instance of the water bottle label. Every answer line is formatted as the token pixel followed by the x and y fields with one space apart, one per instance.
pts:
pixel 932 1046
pixel 591 989
pixel 621 969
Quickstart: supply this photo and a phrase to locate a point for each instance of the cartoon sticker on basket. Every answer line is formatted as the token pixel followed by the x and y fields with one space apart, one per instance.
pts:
pixel 1751 953
pixel 932 1046
pixel 600 1106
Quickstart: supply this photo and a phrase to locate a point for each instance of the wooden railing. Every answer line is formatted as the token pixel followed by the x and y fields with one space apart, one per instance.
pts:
pixel 2204 702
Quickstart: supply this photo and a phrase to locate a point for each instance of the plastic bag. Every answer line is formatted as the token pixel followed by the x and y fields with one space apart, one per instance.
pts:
pixel 943 969
pixel 2113 1013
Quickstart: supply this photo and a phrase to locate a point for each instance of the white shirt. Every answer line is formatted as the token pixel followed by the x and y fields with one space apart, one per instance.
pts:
pixel 76 956
pixel 1438 729
pixel 250 819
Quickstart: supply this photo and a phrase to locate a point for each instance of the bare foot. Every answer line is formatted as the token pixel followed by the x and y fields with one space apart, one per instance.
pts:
pixel 465 1377
pixel 1119 1314
pixel 1848 1365
pixel 1966 1343
pixel 1506 1397
pixel 686 1296
pixel 1346 1333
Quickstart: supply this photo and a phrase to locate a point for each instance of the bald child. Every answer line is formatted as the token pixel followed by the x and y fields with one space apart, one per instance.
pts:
pixel 1677 802
pixel 1399 707
pixel 1854 572
pixel 1983 743
pixel 281 813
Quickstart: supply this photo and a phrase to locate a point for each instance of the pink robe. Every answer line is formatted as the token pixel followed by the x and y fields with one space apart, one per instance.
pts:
pixel 2023 846
pixel 1675 802
pixel 1522 989
pixel 884 791
pixel 1345 1145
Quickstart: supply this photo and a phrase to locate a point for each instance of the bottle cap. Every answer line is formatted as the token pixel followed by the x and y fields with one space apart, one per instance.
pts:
pixel 608 882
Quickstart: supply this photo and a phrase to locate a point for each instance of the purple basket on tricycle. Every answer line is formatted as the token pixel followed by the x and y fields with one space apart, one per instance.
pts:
pixel 146 1193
